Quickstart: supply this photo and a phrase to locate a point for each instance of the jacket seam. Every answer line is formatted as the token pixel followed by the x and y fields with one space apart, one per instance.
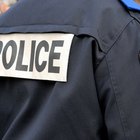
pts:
pixel 125 27
pixel 134 16
pixel 118 36
pixel 117 98
pixel 47 24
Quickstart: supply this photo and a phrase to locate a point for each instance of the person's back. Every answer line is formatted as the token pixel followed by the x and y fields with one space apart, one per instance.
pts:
pixel 70 70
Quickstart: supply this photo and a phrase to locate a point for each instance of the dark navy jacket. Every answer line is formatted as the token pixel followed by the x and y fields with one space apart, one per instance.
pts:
pixel 101 98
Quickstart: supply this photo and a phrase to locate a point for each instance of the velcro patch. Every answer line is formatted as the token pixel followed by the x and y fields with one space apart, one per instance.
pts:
pixel 35 56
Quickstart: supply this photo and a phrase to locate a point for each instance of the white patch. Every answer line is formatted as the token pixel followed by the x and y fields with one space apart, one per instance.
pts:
pixel 35 56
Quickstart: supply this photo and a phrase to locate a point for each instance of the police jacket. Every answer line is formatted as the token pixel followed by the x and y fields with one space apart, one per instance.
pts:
pixel 69 70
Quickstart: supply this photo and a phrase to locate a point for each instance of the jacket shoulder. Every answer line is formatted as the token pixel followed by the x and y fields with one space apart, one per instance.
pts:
pixel 103 20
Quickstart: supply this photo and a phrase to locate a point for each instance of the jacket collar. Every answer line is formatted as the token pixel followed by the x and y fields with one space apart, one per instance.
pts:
pixel 131 5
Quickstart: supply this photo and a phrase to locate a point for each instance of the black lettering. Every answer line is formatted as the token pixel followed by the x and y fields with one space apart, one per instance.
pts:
pixel 13 45
pixel 53 55
pixel 43 44
pixel 19 65
pixel 32 55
